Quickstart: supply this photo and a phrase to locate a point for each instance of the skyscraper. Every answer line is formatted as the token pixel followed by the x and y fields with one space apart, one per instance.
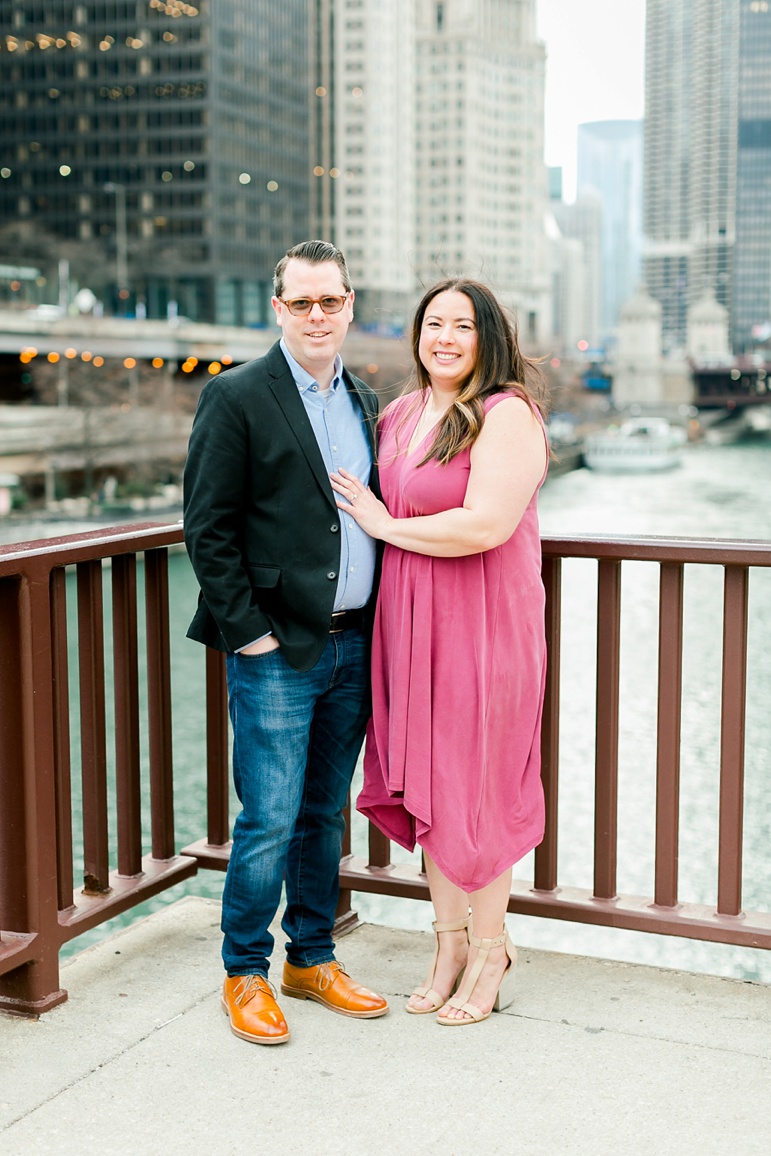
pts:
pixel 690 155
pixel 751 297
pixel 610 155
pixel 481 180
pixel 176 133
pixel 363 141
pixel 581 224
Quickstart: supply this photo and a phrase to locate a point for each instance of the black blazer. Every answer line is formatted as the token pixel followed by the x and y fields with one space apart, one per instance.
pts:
pixel 261 525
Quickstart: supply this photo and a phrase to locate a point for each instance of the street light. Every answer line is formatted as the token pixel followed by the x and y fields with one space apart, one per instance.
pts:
pixel 121 243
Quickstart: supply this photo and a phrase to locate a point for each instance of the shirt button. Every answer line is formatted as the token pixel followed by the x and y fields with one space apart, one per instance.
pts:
pixel 350 525
pixel 331 574
pixel 334 527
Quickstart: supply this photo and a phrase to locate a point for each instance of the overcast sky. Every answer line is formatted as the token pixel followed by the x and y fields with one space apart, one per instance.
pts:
pixel 594 70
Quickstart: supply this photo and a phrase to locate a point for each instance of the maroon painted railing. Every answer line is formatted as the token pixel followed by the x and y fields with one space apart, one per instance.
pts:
pixel 545 895
pixel 40 907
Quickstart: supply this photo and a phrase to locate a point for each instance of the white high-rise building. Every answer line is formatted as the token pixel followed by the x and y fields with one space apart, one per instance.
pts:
pixel 363 148
pixel 582 222
pixel 481 180
pixel 690 155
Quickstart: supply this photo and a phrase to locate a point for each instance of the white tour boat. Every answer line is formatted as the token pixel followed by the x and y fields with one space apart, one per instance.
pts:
pixel 638 445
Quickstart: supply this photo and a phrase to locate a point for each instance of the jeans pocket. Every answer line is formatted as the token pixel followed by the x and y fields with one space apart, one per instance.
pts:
pixel 260 656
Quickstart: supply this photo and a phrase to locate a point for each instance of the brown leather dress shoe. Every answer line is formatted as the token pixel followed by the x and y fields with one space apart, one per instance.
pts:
pixel 250 1003
pixel 330 985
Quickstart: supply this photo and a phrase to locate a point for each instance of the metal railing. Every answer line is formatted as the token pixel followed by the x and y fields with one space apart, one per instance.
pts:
pixel 40 909
pixel 545 895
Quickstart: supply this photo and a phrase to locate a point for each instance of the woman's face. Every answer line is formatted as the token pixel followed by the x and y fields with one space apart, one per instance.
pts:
pixel 448 340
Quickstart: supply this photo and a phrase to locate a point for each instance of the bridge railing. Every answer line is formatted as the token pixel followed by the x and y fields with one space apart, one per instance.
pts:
pixel 546 894
pixel 41 908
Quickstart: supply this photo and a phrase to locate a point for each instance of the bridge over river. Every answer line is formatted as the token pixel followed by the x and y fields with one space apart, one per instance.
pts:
pixel 111 425
pixel 174 342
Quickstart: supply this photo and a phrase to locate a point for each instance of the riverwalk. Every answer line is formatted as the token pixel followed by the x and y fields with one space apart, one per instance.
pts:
pixel 593 1057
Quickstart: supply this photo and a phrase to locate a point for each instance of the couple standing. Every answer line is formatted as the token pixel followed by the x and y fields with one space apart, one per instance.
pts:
pixel 285 510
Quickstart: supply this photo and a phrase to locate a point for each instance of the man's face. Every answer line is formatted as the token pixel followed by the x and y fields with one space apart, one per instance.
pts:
pixel 315 339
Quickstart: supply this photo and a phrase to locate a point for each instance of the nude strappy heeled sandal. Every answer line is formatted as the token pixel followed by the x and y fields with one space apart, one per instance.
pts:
pixel 427 990
pixel 505 994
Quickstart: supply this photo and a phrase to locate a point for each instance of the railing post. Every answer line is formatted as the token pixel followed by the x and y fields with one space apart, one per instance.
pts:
pixel 93 728
pixel 61 739
pixel 217 771
pixel 28 887
pixel 126 674
pixel 159 702
pixel 346 919
pixel 546 853
pixel 736 601
pixel 668 745
pixel 606 766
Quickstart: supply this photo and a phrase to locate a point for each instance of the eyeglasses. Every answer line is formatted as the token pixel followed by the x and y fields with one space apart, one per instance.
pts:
pixel 301 306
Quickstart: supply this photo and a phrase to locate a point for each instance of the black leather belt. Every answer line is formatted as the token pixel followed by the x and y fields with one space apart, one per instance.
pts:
pixel 347 620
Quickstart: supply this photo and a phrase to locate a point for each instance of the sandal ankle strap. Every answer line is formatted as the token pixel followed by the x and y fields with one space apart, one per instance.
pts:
pixel 453 925
pixel 488 944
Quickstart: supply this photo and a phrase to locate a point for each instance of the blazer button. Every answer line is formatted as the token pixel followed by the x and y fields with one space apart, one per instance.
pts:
pixel 331 574
pixel 334 527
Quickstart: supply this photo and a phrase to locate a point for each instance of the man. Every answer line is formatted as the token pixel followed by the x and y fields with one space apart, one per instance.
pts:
pixel 286 581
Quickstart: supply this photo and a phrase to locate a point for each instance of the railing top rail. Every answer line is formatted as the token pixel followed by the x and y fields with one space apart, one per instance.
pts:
pixel 110 540
pixel 649 548
pixel 92 544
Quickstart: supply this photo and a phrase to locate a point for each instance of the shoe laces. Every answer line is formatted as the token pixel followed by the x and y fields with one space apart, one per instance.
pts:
pixel 249 986
pixel 329 973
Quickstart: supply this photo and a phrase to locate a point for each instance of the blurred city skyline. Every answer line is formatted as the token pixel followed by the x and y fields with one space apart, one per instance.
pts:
pixel 595 71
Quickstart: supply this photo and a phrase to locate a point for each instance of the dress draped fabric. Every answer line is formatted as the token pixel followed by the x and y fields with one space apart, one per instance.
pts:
pixel 452 759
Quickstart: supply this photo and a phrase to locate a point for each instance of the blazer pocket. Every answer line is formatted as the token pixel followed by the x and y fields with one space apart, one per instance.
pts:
pixel 264 576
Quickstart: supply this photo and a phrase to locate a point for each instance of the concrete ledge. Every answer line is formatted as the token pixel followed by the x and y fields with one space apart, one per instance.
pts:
pixel 593 1057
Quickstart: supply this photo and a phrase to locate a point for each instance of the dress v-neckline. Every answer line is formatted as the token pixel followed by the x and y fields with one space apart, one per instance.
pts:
pixel 412 445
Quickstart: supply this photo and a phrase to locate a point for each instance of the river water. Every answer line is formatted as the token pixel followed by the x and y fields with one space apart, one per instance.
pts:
pixel 719 491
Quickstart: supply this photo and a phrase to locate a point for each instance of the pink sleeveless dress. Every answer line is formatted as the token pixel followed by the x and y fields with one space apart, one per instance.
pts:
pixel 452 759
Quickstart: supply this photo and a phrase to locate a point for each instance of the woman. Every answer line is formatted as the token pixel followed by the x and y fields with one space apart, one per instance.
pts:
pixel 452 758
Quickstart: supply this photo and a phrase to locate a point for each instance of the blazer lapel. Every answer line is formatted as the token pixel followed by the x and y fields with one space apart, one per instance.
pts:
pixel 368 408
pixel 286 393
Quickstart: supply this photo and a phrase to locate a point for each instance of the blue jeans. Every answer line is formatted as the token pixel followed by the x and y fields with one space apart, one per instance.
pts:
pixel 296 739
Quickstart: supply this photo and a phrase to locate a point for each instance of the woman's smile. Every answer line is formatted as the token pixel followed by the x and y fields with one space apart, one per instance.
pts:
pixel 448 340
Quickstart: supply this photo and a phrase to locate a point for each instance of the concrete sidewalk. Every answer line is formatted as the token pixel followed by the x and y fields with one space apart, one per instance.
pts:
pixel 593 1057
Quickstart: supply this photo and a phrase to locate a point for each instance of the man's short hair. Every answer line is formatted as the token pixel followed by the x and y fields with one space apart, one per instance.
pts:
pixel 315 253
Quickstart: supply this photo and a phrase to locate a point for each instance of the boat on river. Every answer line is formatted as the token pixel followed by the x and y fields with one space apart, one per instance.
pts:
pixel 638 445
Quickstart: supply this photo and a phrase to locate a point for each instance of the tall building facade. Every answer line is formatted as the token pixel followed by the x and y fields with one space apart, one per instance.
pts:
pixel 610 165
pixel 751 296
pixel 363 141
pixel 690 155
pixel 176 133
pixel 580 228
pixel 481 180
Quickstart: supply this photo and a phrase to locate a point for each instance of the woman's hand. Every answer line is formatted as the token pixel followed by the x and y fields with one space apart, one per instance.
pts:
pixel 361 504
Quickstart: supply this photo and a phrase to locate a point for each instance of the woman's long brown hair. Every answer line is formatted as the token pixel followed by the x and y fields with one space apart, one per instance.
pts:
pixel 500 365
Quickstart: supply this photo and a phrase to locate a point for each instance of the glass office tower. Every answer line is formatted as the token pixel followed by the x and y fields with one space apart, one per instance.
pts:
pixel 174 134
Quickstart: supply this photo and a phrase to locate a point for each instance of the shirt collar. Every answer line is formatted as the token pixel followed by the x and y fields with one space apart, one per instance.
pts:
pixel 304 380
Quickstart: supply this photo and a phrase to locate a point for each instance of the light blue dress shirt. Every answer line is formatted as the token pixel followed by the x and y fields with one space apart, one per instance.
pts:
pixel 338 424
